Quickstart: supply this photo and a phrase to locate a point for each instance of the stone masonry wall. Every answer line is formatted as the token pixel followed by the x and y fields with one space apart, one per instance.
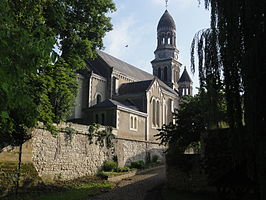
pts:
pixel 132 150
pixel 67 156
pixel 63 158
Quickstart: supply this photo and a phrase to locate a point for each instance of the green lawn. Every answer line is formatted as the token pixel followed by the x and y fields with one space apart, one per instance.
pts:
pixel 64 191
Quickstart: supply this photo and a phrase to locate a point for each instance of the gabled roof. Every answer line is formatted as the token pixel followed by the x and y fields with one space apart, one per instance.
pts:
pixel 105 62
pixel 134 87
pixel 185 77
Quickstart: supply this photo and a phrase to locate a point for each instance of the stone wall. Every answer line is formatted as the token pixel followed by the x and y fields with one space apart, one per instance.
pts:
pixel 67 156
pixel 132 150
pixel 64 158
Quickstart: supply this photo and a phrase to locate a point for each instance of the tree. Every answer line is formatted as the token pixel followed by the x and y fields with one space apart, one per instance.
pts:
pixel 29 31
pixel 36 82
pixel 191 121
pixel 237 36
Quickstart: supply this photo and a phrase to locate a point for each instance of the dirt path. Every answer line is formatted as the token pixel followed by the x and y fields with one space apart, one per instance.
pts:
pixel 144 186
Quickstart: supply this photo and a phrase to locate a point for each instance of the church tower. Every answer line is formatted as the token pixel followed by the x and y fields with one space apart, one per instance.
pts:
pixel 165 65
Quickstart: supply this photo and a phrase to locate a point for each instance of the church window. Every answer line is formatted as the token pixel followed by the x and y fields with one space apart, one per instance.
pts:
pixel 133 122
pixel 171 105
pixel 165 114
pixel 98 98
pixel 165 73
pixel 159 73
pixel 154 112
pixel 158 114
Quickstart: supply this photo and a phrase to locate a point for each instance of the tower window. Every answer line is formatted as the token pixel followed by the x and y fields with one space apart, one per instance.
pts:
pixel 168 41
pixel 159 73
pixel 165 73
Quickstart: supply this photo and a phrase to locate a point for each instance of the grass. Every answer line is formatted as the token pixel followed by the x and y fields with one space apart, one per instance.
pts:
pixel 170 194
pixel 69 190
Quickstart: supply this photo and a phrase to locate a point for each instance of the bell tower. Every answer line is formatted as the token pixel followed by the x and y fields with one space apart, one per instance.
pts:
pixel 165 65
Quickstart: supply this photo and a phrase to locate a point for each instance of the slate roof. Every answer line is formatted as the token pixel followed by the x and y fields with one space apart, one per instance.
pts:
pixel 110 103
pixel 185 77
pixel 166 21
pixel 134 87
pixel 123 67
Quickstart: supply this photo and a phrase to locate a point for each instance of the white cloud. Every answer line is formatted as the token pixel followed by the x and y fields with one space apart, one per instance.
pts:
pixel 120 36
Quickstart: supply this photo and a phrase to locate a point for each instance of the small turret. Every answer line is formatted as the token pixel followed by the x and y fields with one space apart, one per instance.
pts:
pixel 185 84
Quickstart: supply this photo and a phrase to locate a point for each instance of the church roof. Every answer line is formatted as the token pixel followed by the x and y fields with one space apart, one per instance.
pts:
pixel 185 77
pixel 105 62
pixel 166 21
pixel 109 103
pixel 125 68
pixel 134 87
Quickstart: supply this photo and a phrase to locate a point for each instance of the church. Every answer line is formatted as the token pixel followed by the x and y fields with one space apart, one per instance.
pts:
pixel 132 101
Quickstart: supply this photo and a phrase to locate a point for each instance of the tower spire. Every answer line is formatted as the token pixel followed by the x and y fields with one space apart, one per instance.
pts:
pixel 166 4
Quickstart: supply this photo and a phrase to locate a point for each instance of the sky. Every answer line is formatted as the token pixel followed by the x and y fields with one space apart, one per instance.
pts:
pixel 134 35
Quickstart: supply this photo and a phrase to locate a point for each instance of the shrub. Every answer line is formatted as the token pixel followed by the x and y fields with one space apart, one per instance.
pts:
pixel 109 165
pixel 123 169
pixel 138 164
pixel 155 158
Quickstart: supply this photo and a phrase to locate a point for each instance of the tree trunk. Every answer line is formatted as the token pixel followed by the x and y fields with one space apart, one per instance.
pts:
pixel 19 167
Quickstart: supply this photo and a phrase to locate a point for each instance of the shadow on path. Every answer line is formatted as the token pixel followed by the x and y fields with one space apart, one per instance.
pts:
pixel 144 186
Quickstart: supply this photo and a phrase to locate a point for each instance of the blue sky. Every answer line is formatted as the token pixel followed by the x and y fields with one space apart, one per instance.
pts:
pixel 135 23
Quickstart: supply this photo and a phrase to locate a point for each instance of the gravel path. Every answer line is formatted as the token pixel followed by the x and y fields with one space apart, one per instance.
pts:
pixel 144 186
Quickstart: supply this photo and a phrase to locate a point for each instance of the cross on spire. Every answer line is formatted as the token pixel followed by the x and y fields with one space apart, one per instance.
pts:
pixel 166 4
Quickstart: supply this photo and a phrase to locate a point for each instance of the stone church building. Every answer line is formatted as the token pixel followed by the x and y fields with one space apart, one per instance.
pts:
pixel 132 101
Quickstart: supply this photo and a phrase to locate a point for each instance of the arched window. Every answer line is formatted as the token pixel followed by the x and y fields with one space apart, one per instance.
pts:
pixel 154 112
pixel 158 113
pixel 131 122
pixel 98 98
pixel 159 73
pixel 165 73
pixel 135 122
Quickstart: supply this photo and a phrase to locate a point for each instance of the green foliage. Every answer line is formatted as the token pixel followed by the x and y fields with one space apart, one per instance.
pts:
pixel 155 158
pixel 110 166
pixel 123 169
pixel 191 120
pixel 102 137
pixel 138 164
pixel 36 82
pixel 238 39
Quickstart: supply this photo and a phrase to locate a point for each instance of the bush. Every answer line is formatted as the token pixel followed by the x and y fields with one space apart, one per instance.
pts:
pixel 155 158
pixel 123 169
pixel 138 164
pixel 109 166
